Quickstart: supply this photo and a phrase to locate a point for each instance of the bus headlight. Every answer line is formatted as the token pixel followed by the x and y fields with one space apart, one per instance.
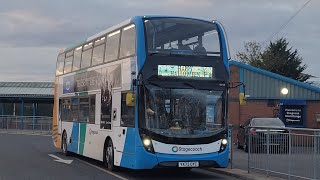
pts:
pixel 146 142
pixel 224 141
pixel 223 146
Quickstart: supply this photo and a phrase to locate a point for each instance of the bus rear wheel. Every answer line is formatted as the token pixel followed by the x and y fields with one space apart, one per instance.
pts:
pixel 64 144
pixel 108 156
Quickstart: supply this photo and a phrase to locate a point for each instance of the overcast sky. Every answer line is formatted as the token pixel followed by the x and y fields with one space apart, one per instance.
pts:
pixel 33 32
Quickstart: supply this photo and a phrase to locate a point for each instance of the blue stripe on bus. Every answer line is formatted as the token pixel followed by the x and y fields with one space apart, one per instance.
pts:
pixel 73 147
pixel 140 43
pixel 128 154
pixel 224 48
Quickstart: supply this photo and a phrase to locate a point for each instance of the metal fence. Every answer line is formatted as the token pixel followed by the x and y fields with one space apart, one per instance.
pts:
pixel 293 153
pixel 34 123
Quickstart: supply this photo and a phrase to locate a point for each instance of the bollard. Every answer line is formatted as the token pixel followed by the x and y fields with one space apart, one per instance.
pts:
pixel 231 144
pixel 268 151
pixel 249 151
pixel 314 154
pixel 290 146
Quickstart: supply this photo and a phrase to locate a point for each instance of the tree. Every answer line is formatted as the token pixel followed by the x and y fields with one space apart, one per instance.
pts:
pixel 252 54
pixel 277 58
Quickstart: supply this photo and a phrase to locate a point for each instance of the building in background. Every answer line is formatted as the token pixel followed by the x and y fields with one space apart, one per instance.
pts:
pixel 268 94
pixel 26 98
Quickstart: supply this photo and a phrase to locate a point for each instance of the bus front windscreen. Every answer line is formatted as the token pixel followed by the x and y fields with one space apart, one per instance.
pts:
pixel 183 113
pixel 181 36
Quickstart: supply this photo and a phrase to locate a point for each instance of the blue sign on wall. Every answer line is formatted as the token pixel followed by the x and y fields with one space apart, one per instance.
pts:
pixel 293 112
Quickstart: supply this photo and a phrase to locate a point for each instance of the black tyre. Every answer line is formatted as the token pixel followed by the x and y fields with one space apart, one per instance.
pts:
pixel 108 156
pixel 238 144
pixel 64 145
pixel 245 146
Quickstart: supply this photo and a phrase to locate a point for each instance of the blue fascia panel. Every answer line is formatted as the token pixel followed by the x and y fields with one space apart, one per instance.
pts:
pixel 292 102
pixel 276 76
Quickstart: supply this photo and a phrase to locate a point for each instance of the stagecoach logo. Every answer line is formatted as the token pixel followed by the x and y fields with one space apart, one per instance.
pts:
pixel 174 149
pixel 186 149
pixel 92 132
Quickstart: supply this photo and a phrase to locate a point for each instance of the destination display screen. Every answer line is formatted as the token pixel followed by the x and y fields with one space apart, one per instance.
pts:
pixel 185 71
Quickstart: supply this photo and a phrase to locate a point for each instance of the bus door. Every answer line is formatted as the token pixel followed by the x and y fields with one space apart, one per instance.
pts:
pixel 123 126
pixel 118 136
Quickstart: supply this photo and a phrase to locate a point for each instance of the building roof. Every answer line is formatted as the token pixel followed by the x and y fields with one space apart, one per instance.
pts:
pixel 27 89
pixel 265 84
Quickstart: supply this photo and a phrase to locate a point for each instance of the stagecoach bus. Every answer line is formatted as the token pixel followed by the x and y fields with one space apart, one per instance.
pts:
pixel 149 92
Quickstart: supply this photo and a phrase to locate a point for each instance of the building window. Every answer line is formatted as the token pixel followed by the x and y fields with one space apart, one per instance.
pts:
pixel 127 113
pixel 128 41
pixel 112 46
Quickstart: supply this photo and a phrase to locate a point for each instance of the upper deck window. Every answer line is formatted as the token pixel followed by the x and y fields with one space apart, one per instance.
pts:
pixel 77 59
pixel 60 64
pixel 68 62
pixel 128 40
pixel 182 36
pixel 86 56
pixel 112 46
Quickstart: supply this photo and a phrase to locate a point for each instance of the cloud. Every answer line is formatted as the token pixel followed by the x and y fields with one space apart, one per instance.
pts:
pixel 27 64
pixel 43 27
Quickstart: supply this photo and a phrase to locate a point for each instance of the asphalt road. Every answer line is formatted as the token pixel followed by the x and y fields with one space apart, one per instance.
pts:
pixel 26 157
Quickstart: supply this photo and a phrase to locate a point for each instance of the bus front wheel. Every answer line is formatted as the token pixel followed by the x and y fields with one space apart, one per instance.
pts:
pixel 109 156
pixel 64 144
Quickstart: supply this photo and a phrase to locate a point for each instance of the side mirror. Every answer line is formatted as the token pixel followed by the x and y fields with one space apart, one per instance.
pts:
pixel 130 99
pixel 242 99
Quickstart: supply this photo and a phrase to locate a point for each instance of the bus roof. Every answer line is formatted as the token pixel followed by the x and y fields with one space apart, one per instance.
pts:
pixel 133 19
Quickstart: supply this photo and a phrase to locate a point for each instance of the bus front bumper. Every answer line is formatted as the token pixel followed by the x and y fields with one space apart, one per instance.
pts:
pixel 147 160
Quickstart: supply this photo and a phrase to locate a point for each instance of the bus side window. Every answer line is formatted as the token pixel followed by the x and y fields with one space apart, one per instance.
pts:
pixel 127 113
pixel 68 62
pixel 77 59
pixel 84 109
pixel 66 114
pixel 75 109
pixel 92 109
pixel 112 46
pixel 86 56
pixel 128 41
pixel 60 64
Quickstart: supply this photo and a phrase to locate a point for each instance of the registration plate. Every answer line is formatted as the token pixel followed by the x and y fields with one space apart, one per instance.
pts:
pixel 188 164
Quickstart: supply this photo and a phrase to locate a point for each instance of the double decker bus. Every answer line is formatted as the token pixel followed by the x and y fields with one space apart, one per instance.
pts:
pixel 149 92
